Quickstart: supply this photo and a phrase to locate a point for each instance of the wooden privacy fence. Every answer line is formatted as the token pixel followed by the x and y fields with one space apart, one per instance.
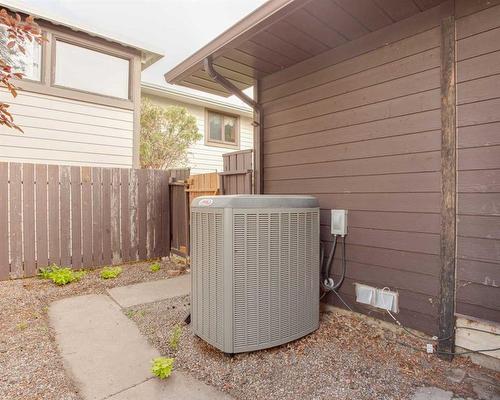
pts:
pixel 203 185
pixel 237 177
pixel 80 216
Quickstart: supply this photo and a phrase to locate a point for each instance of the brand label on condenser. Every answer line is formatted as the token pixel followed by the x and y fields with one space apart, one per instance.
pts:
pixel 205 202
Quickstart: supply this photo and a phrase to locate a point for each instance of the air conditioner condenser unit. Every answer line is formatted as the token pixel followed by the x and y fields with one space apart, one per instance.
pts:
pixel 254 270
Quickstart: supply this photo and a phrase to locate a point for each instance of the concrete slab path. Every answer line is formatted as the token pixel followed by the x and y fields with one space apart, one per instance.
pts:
pixel 107 357
pixel 148 292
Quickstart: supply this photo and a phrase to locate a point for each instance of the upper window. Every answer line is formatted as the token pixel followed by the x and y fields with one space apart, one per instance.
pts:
pixel 28 63
pixel 91 71
pixel 222 129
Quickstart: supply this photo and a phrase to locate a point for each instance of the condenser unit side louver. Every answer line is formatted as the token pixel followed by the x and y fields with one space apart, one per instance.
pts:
pixel 255 270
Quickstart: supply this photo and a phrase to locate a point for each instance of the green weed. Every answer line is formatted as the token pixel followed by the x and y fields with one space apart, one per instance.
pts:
pixel 162 367
pixel 155 267
pixel 61 275
pixel 22 325
pixel 175 337
pixel 110 272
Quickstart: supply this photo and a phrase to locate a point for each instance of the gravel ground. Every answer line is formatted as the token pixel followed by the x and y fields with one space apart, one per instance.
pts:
pixel 347 358
pixel 30 366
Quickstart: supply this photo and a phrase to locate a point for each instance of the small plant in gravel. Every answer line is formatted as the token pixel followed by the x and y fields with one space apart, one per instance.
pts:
pixel 133 313
pixel 155 267
pixel 175 337
pixel 162 367
pixel 110 272
pixel 22 325
pixel 61 275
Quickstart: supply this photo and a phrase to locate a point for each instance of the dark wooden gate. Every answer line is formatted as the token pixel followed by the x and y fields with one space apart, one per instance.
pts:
pixel 179 212
pixel 237 177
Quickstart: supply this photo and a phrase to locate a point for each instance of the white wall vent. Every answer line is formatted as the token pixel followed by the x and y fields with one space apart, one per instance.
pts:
pixel 380 298
pixel 255 270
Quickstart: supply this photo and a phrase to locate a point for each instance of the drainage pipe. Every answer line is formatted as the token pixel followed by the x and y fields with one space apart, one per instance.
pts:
pixel 257 123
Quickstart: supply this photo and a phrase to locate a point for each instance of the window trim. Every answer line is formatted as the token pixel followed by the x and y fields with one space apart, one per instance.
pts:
pixel 46 84
pixel 59 38
pixel 222 143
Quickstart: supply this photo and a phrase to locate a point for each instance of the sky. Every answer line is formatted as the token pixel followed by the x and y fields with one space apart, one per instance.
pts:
pixel 178 28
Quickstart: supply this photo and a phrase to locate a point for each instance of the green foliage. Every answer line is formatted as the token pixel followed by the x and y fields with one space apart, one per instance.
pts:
pixel 162 367
pixel 133 313
pixel 166 134
pixel 110 272
pixel 155 267
pixel 22 326
pixel 61 275
pixel 175 337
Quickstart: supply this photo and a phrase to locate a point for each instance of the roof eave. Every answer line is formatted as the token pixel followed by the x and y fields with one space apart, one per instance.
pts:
pixel 265 15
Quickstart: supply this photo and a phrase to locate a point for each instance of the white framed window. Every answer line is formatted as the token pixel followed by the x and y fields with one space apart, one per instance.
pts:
pixel 29 63
pixel 222 129
pixel 80 68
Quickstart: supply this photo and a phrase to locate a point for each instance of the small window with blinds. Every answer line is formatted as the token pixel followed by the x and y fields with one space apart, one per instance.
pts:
pixel 222 130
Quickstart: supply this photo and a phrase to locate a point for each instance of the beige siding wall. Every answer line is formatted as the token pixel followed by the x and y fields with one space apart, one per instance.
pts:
pixel 63 131
pixel 203 158
pixel 359 128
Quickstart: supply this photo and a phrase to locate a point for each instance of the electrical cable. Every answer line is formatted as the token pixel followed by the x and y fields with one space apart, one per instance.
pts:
pixel 327 282
pixel 445 352
pixel 342 300
pixel 328 285
pixel 435 338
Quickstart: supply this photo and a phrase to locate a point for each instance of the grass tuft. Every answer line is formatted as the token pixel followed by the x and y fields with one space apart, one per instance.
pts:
pixel 61 275
pixel 110 272
pixel 162 367
pixel 155 267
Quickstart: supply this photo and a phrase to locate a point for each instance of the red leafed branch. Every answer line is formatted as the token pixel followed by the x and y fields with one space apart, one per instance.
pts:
pixel 17 32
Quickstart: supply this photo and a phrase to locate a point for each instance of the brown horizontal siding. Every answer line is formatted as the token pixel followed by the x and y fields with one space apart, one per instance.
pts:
pixel 398 164
pixel 406 105
pixel 393 60
pixel 405 144
pixel 360 130
pixel 478 99
pixel 390 221
pixel 394 183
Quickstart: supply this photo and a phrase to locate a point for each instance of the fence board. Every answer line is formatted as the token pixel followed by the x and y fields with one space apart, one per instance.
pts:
pixel 106 216
pixel 125 217
pixel 29 219
pixel 115 216
pixel 76 217
pixel 133 214
pixel 83 216
pixel 54 250
pixel 158 228
pixel 142 213
pixel 149 213
pixel 87 216
pixel 165 213
pixel 97 216
pixel 42 249
pixel 16 234
pixel 4 218
pixel 65 200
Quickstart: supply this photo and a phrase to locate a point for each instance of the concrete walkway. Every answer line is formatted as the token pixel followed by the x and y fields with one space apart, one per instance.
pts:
pixel 107 357
pixel 148 292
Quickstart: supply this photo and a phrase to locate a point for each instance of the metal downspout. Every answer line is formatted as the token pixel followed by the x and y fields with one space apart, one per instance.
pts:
pixel 258 115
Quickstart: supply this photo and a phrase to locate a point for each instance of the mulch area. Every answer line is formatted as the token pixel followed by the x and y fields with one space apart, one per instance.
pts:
pixel 347 358
pixel 30 366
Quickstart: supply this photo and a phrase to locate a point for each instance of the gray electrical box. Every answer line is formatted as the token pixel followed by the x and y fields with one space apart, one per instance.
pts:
pixel 254 270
